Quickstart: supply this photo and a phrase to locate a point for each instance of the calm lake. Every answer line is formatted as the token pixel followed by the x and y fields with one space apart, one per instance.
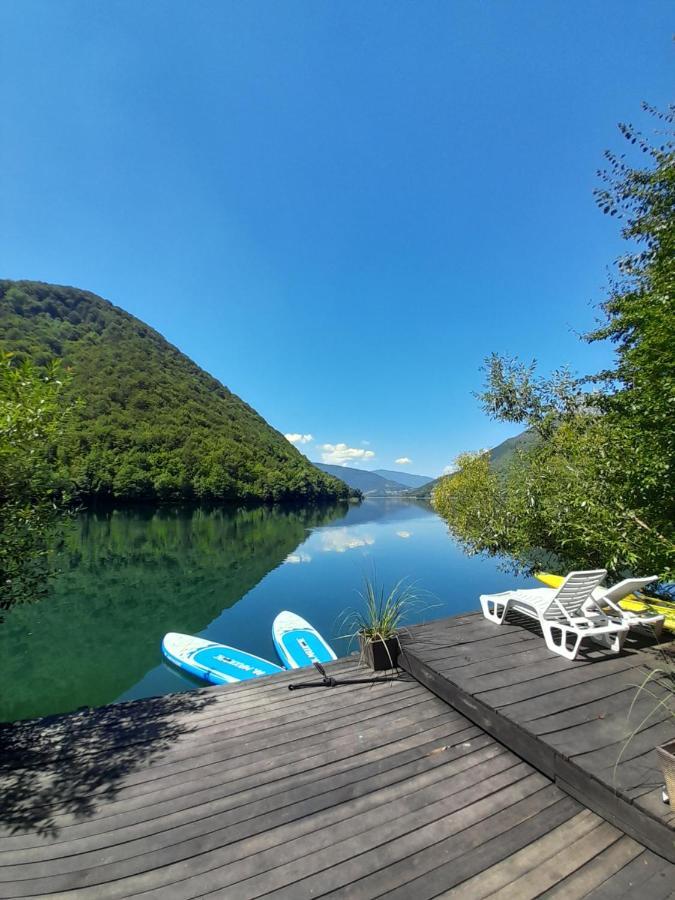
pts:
pixel 127 577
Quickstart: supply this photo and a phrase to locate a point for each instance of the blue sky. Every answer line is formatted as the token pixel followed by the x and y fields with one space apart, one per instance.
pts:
pixel 338 209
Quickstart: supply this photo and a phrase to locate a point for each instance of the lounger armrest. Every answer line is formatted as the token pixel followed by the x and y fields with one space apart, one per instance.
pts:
pixel 503 595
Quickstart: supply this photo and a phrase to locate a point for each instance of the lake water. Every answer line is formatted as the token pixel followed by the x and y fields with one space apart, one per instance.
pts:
pixel 128 577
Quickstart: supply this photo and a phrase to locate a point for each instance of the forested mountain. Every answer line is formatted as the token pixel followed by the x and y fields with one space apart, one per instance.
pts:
pixel 502 454
pixel 500 457
pixel 149 424
pixel 367 482
pixel 406 478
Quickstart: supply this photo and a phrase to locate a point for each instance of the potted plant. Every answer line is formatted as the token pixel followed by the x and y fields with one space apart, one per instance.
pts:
pixel 378 624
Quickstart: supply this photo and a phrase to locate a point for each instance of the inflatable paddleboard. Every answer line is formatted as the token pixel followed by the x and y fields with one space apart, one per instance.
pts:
pixel 298 643
pixel 216 663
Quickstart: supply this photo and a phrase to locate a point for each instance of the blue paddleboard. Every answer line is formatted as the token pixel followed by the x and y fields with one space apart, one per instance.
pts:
pixel 297 643
pixel 216 663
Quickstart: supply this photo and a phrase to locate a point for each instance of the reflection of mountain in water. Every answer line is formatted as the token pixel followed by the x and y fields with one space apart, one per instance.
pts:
pixel 128 577
pixel 392 510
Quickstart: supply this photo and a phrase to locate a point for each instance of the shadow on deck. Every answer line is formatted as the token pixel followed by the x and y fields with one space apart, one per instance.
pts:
pixel 247 791
pixel 72 764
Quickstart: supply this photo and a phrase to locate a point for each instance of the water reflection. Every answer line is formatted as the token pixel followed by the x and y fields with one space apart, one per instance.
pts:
pixel 295 558
pixel 339 540
pixel 128 577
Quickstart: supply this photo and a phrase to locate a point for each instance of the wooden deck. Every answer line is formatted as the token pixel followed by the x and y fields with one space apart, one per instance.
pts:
pixel 250 791
pixel 569 719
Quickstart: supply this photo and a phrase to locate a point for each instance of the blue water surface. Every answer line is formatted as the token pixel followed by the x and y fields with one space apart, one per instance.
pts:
pixel 128 577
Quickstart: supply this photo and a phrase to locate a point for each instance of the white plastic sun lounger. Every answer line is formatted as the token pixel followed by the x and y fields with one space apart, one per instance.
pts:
pixel 560 613
pixel 608 601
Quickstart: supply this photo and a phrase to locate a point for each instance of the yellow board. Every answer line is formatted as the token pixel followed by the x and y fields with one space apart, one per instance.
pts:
pixel 631 602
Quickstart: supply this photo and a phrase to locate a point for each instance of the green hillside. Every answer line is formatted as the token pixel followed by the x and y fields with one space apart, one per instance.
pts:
pixel 151 423
pixel 500 456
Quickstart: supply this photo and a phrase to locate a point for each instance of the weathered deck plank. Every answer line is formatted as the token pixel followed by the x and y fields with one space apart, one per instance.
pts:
pixel 569 719
pixel 253 791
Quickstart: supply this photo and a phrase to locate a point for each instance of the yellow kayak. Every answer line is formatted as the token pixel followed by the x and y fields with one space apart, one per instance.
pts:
pixel 631 602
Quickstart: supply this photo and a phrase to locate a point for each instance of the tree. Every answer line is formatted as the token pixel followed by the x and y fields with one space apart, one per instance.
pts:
pixel 638 393
pixel 32 492
pixel 595 488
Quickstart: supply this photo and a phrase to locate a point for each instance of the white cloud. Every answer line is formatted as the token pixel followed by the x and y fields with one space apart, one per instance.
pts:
pixel 404 534
pixel 341 454
pixel 403 461
pixel 295 438
pixel 339 540
pixel 298 558
pixel 448 470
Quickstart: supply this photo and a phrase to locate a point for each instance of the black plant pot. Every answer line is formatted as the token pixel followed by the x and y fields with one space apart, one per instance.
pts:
pixel 380 655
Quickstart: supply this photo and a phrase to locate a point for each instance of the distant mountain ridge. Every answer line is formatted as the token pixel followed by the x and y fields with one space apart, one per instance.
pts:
pixel 500 456
pixel 369 483
pixel 406 478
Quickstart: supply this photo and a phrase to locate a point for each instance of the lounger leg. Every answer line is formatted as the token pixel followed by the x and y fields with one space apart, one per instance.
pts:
pixel 613 640
pixel 494 609
pixel 556 639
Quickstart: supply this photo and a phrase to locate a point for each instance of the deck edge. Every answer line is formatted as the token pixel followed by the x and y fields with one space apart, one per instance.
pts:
pixel 569 777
